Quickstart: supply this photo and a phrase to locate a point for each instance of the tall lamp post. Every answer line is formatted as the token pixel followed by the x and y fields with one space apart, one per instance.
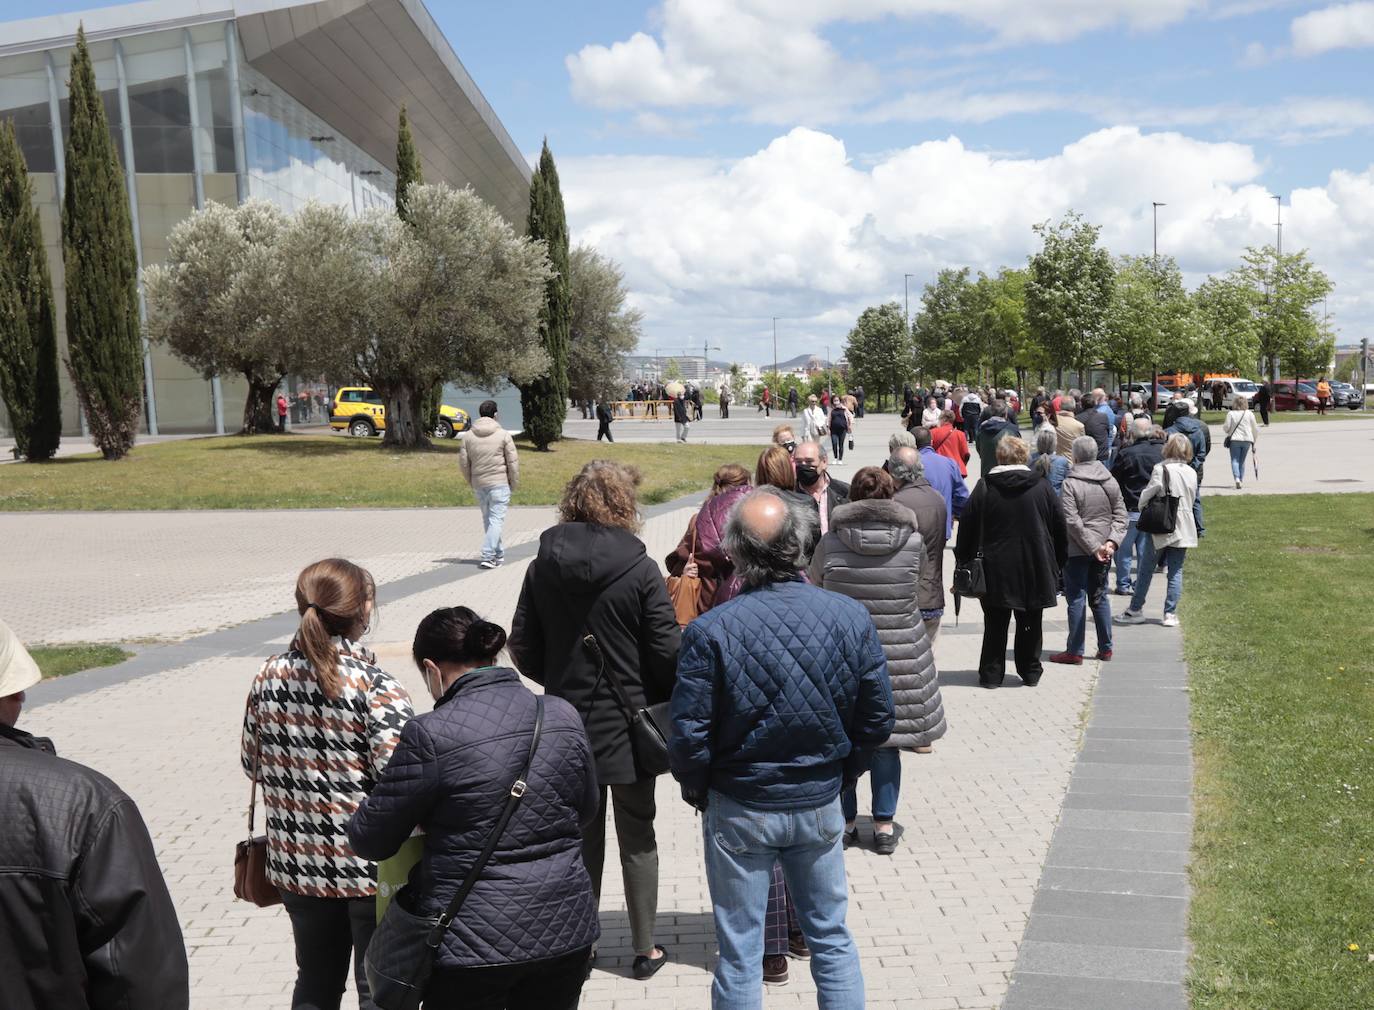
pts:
pixel 1154 371
pixel 1278 275
pixel 906 311
pixel 775 345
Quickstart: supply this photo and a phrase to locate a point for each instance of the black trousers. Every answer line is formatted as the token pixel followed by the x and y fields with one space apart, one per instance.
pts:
pixel 1264 413
pixel 992 663
pixel 724 410
pixel 328 931
pixel 551 984
pixel 604 429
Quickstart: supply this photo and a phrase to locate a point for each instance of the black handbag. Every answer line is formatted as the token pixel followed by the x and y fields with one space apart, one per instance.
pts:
pixel 649 724
pixel 970 581
pixel 1160 514
pixel 400 957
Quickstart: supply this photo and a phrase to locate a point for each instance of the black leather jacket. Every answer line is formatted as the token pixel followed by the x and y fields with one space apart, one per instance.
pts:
pixel 86 922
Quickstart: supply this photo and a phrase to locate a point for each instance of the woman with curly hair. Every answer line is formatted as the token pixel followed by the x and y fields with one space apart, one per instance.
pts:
pixel 593 580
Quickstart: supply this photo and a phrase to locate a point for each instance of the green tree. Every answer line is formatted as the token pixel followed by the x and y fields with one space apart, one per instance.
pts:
pixel 944 329
pixel 1000 340
pixel 1226 337
pixel 1287 291
pixel 544 401
pixel 1151 319
pixel 672 371
pixel 28 326
pixel 602 330
pixel 739 384
pixel 880 351
pixel 1068 292
pixel 408 171
pixel 104 344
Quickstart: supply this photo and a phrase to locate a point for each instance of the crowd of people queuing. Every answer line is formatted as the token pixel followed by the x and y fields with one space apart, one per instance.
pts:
pixel 802 660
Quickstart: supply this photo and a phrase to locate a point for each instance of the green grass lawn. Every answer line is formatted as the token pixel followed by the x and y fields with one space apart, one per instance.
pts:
pixel 1280 637
pixel 332 471
pixel 60 660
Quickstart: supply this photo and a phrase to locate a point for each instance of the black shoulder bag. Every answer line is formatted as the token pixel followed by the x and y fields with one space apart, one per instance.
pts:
pixel 1160 514
pixel 969 578
pixel 649 725
pixel 400 958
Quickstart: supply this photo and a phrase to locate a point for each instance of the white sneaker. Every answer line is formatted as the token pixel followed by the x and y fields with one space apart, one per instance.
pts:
pixel 1170 621
pixel 489 564
pixel 1128 616
pixel 1237 485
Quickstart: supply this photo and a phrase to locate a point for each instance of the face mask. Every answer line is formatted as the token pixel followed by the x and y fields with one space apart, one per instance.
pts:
pixel 807 474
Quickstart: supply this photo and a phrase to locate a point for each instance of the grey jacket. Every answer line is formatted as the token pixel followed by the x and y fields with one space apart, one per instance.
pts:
pixel 1093 508
pixel 873 554
pixel 932 514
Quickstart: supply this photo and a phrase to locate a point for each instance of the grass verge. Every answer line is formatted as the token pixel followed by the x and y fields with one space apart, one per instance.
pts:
pixel 1281 646
pixel 332 471
pixel 60 660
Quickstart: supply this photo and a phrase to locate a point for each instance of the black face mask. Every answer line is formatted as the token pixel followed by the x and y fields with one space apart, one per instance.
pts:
pixel 807 474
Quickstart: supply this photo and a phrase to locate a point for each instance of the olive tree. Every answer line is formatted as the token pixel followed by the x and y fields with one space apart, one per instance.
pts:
pixel 602 330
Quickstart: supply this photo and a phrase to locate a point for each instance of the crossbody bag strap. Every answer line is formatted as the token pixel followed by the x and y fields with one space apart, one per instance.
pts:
pixel 257 765
pixel 517 790
pixel 604 670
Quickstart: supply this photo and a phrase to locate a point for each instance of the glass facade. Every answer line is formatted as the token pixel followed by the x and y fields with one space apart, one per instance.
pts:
pixel 180 133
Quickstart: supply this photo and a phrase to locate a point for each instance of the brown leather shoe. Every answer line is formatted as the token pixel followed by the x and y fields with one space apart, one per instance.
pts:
pixel 775 969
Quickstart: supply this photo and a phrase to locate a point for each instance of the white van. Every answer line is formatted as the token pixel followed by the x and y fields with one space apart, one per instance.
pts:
pixel 1232 389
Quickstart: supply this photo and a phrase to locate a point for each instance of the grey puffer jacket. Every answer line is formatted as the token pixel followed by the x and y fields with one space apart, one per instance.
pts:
pixel 1094 511
pixel 873 554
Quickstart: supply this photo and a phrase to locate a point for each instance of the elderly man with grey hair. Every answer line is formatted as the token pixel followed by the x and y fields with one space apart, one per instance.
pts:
pixel 813 479
pixel 782 696
pixel 932 522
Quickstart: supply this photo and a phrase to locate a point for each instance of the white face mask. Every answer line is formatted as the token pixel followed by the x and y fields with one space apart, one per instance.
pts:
pixel 427 671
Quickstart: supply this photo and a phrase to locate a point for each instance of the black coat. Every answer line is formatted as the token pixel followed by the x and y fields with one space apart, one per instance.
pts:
pixel 1015 518
pixel 1132 468
pixel 1095 423
pixel 86 922
pixel 680 414
pixel 597 580
pixel 451 774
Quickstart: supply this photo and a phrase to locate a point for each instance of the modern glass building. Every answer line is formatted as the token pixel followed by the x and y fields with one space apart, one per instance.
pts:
pixel 288 100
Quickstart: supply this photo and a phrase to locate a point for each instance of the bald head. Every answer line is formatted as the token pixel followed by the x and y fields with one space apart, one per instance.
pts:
pixel 762 515
pixel 769 537
pixel 905 466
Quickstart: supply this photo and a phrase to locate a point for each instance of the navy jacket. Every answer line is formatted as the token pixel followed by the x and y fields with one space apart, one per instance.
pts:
pixel 1095 423
pixel 451 774
pixel 1198 434
pixel 782 695
pixel 1132 469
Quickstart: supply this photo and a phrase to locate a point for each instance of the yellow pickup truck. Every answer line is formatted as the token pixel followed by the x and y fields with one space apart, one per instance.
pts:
pixel 361 412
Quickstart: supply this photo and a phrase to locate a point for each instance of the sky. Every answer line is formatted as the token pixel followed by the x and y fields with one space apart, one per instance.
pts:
pixel 749 159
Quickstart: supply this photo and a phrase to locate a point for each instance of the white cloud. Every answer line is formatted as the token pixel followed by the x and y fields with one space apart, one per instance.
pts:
pixel 1343 26
pixel 771 56
pixel 715 247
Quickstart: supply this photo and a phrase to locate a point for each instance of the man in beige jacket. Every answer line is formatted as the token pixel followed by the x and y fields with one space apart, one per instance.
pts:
pixel 487 457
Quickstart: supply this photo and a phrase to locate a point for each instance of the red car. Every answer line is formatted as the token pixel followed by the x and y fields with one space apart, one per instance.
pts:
pixel 1284 398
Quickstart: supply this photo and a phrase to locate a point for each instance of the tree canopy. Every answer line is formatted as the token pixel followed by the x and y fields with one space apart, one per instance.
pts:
pixel 602 329
pixel 879 350
pixel 1069 290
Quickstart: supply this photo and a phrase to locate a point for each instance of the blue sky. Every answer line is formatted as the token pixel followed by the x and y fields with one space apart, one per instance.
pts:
pixel 743 159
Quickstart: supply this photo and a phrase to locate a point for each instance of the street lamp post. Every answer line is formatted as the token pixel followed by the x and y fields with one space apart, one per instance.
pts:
pixel 1154 371
pixel 775 346
pixel 1278 275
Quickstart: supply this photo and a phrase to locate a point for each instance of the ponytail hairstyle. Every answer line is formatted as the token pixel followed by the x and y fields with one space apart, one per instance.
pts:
pixel 332 597
pixel 457 635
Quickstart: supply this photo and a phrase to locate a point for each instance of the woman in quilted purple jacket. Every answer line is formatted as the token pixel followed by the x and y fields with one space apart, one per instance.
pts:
pixel 714 567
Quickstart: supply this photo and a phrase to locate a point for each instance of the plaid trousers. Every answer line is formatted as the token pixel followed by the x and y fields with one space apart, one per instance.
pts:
pixel 781 918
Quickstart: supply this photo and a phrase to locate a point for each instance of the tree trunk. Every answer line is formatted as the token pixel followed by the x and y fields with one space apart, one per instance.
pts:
pixel 259 410
pixel 405 417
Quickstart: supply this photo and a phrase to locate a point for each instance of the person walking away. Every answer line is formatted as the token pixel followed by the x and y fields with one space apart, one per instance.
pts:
pixel 1067 427
pixel 1241 435
pixel 949 441
pixel 1096 424
pixel 724 401
pixel 1170 548
pixel 971 412
pixel 1046 460
pixel 320 724
pixel 782 697
pixel 86 922
pixel 792 401
pixel 840 423
pixel 991 431
pixel 523 936
pixel 1096 519
pixel 859 400
pixel 282 408
pixel 875 554
pixel 814 480
pixel 766 400
pixel 1264 396
pixel 487 457
pixel 1016 521
pixel 681 418
pixel 593 578
pixel 603 421
pixel 941 473
pixel 1143 451
pixel 813 420
pixel 932 511
pixel 1199 435
pixel 696 402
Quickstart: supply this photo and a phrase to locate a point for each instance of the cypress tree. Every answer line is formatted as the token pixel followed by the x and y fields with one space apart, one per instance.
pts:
pixel 28 324
pixel 545 401
pixel 409 173
pixel 104 346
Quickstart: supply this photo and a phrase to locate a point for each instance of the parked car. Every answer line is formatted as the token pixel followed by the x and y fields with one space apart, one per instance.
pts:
pixel 1143 388
pixel 1219 394
pixel 361 412
pixel 1343 394
pixel 1285 399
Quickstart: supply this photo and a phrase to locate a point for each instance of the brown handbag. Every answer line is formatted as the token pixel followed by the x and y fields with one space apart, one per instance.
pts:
pixel 685 590
pixel 250 855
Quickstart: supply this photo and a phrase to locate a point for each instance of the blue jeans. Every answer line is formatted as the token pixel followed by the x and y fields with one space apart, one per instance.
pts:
pixel 1085 584
pixel 742 843
pixel 885 776
pixel 493 502
pixel 1239 450
pixel 1130 554
pixel 1173 560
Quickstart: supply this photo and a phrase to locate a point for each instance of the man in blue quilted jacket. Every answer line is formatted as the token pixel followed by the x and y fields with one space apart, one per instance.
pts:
pixel 782 696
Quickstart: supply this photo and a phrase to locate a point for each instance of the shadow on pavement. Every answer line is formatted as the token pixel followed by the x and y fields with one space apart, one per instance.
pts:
pixel 688 937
